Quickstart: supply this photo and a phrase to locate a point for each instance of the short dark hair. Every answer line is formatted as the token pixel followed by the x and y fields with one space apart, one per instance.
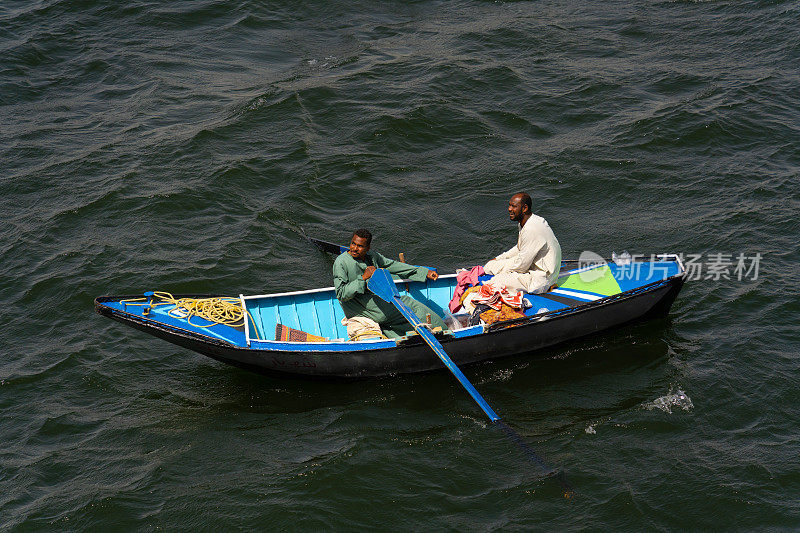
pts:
pixel 364 234
pixel 526 199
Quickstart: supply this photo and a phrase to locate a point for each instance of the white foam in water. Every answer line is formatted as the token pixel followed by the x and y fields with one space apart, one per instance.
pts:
pixel 670 401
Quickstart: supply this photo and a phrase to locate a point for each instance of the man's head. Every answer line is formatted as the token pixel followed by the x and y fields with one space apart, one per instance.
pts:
pixel 359 244
pixel 519 207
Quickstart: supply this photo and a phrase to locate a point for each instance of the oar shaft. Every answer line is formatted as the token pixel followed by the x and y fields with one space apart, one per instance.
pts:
pixel 382 285
pixel 337 249
pixel 512 435
pixel 328 247
pixel 434 344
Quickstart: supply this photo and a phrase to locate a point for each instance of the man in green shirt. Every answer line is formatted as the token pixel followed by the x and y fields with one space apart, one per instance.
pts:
pixel 353 268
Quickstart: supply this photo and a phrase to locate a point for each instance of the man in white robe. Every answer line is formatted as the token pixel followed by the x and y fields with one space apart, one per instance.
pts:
pixel 533 264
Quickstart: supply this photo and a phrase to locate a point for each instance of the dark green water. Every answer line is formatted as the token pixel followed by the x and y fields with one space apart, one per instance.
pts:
pixel 183 146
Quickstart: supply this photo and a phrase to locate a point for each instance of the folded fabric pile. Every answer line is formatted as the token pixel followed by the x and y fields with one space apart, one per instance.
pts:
pixel 494 296
pixel 489 303
pixel 487 315
pixel 360 328
pixel 285 333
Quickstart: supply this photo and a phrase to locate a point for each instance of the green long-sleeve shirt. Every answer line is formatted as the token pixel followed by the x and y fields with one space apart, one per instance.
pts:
pixel 351 289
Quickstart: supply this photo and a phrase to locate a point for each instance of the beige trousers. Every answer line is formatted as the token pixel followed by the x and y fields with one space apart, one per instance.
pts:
pixel 532 282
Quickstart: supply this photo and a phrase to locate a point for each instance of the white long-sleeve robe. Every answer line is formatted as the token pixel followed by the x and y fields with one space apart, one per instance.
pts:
pixel 532 265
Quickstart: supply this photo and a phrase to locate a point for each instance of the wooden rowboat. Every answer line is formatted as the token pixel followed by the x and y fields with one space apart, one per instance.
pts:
pixel 586 301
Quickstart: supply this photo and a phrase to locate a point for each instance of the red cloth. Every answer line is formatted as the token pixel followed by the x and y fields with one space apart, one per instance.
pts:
pixel 464 280
pixel 495 296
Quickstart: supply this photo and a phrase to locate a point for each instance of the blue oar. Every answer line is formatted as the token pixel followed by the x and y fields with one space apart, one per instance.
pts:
pixel 382 285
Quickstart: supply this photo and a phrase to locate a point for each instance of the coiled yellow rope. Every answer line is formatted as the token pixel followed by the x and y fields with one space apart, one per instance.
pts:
pixel 217 310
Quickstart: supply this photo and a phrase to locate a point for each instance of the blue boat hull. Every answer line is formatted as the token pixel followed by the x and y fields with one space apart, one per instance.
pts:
pixel 524 336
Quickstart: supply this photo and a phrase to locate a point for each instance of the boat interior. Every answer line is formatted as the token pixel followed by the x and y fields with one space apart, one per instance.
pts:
pixel 318 313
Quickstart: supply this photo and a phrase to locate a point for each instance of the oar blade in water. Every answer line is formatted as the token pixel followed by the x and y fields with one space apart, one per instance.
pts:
pixel 382 285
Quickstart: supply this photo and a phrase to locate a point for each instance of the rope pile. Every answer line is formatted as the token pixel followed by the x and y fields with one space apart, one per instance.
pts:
pixel 217 310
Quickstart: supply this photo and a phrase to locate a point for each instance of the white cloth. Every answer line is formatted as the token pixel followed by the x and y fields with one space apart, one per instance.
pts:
pixel 532 282
pixel 532 265
pixel 362 328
